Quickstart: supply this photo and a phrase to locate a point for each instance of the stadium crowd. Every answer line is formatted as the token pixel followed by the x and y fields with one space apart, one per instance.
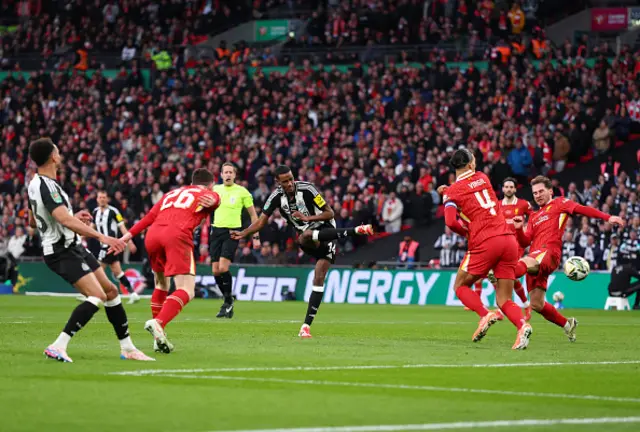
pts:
pixel 375 138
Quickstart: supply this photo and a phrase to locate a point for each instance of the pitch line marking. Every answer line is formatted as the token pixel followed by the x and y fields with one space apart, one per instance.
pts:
pixel 367 367
pixel 406 387
pixel 457 425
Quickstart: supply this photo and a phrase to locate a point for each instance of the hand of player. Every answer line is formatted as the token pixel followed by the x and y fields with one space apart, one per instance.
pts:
pixel 518 222
pixel 617 220
pixel 132 247
pixel 256 243
pixel 442 189
pixel 236 235
pixel 85 217
pixel 207 200
pixel 116 246
pixel 300 216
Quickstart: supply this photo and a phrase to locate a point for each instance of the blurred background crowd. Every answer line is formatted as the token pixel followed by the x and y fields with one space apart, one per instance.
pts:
pixel 375 136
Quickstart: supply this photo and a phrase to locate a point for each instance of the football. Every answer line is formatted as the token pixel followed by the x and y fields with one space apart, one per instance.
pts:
pixel 558 296
pixel 576 268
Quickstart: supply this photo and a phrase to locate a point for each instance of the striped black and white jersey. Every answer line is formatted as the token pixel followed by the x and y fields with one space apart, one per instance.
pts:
pixel 450 254
pixel 306 199
pixel 108 221
pixel 45 195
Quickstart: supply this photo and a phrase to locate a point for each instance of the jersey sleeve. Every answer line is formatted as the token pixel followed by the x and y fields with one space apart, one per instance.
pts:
pixel 271 204
pixel 146 221
pixel 568 206
pixel 318 199
pixel 247 199
pixel 449 198
pixel 118 216
pixel 51 197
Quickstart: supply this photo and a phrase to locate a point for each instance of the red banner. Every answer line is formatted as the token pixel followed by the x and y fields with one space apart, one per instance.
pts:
pixel 609 19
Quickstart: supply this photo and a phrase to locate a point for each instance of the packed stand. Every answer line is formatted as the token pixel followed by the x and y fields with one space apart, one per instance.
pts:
pixel 375 140
pixel 134 29
pixel 452 30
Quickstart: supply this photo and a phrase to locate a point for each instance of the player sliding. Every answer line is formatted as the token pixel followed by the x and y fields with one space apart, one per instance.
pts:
pixel 169 243
pixel 303 206
pixel 544 234
pixel 492 246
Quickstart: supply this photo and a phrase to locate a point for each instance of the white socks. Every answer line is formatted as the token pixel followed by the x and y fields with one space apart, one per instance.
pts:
pixel 62 342
pixel 126 344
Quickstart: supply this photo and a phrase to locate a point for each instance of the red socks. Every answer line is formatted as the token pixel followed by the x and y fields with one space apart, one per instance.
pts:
pixel 514 313
pixel 172 307
pixel 521 269
pixel 551 314
pixel 520 291
pixel 477 288
pixel 471 300
pixel 157 300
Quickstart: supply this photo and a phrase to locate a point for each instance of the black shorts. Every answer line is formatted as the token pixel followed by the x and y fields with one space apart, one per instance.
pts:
pixel 108 259
pixel 324 250
pixel 72 263
pixel 221 245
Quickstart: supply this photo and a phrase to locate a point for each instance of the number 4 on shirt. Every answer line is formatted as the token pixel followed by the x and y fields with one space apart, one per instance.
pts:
pixel 486 202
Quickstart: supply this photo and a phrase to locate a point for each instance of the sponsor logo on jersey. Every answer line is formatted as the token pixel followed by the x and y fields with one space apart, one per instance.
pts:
pixel 55 196
pixel 542 219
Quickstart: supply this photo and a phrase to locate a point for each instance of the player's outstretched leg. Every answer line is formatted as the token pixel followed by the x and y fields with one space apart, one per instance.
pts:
pixel 315 299
pixel 118 319
pixel 328 234
pixel 522 295
pixel 80 317
pixel 551 314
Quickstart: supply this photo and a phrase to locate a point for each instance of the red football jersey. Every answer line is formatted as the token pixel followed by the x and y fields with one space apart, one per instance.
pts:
pixel 179 210
pixel 477 204
pixel 546 226
pixel 518 208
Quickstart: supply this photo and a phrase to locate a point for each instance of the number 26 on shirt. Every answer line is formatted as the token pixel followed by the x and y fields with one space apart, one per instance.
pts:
pixel 184 199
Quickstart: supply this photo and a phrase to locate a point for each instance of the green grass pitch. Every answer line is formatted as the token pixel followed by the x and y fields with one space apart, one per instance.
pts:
pixel 241 374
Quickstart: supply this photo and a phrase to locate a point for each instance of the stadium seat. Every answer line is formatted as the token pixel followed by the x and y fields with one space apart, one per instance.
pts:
pixel 619 303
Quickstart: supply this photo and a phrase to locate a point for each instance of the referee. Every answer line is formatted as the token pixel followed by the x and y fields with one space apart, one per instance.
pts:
pixel 228 217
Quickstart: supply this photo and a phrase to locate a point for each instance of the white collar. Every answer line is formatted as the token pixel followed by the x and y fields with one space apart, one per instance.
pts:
pixel 465 175
pixel 505 202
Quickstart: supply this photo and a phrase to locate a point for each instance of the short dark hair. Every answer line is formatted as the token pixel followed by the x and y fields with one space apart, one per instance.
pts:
pixel 542 180
pixel 282 169
pixel 40 150
pixel 201 177
pixel 232 165
pixel 510 179
pixel 461 158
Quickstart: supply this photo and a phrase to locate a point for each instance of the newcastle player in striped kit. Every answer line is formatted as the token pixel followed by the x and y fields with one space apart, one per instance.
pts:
pixel 302 205
pixel 109 222
pixel 50 211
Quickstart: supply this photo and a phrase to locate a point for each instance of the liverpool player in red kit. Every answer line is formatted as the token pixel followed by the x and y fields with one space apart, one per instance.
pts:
pixel 512 206
pixel 169 243
pixel 544 234
pixel 492 245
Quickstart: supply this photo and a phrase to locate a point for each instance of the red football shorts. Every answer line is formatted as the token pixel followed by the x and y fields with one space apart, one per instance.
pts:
pixel 499 254
pixel 170 253
pixel 549 261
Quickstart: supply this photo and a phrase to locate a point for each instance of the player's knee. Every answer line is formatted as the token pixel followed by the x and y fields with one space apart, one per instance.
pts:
pixel 110 292
pixel 537 304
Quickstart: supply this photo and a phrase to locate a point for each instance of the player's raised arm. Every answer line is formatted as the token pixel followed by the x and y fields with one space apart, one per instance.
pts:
pixel 523 236
pixel 595 213
pixel 251 229
pixel 32 220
